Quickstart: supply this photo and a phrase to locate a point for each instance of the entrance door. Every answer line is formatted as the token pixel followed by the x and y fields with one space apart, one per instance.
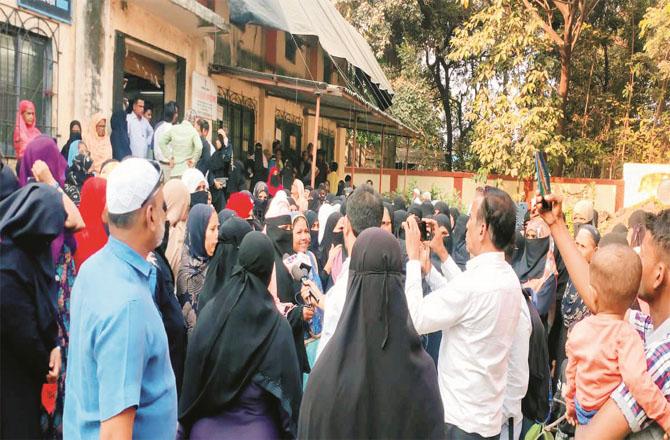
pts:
pixel 145 71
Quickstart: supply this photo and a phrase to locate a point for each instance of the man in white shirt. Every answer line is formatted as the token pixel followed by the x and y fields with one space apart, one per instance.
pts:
pixel 478 312
pixel 518 369
pixel 140 132
pixel 365 209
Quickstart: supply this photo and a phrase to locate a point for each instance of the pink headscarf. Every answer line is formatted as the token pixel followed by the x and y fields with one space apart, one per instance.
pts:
pixel 99 146
pixel 24 133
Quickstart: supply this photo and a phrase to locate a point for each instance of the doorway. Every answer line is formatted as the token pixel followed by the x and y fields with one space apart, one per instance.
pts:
pixel 144 71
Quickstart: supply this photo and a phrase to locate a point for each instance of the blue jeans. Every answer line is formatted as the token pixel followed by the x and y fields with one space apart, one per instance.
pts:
pixel 583 416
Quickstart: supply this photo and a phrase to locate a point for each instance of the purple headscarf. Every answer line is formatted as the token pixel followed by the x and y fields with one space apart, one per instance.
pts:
pixel 45 149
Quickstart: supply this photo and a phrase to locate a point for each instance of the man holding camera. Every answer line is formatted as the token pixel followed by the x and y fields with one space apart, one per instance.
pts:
pixel 477 310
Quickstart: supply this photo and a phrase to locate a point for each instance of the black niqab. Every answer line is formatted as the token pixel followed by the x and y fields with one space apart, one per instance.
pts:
pixel 373 380
pixel 442 208
pixel 399 204
pixel 399 217
pixel 315 203
pixel 74 136
pixel 531 264
pixel 8 182
pixel 239 337
pixel 32 218
pixel 329 237
pixel 427 209
pixel 231 233
pixel 460 252
pixel 416 211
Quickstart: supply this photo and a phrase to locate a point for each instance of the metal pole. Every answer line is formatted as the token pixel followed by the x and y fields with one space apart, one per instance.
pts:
pixel 352 157
pixel 381 161
pixel 316 137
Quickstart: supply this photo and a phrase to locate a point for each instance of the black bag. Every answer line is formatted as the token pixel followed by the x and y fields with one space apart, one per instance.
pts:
pixel 535 405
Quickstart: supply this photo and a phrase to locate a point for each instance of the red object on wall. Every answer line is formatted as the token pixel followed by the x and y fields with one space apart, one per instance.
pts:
pixel 270 46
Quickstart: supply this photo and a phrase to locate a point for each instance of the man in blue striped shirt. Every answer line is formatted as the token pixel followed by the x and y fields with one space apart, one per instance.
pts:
pixel 621 414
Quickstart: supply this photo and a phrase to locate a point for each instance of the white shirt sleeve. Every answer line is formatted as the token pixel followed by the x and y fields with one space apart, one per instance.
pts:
pixel 450 269
pixel 335 299
pixel 435 279
pixel 440 309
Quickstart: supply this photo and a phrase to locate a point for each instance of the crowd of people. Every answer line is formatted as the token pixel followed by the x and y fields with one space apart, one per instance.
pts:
pixel 199 295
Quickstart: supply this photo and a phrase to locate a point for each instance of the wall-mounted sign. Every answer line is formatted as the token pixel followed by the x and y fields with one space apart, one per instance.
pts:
pixel 57 9
pixel 203 96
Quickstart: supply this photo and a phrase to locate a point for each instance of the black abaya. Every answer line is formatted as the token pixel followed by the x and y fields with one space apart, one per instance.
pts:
pixel 231 233
pixel 373 380
pixel 31 218
pixel 240 337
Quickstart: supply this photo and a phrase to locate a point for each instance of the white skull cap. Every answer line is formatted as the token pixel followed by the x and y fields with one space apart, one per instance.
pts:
pixel 130 184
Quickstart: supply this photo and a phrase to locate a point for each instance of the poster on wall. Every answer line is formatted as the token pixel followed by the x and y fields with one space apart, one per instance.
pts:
pixel 58 9
pixel 642 181
pixel 203 96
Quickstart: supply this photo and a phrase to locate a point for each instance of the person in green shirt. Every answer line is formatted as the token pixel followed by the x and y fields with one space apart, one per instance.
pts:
pixel 182 145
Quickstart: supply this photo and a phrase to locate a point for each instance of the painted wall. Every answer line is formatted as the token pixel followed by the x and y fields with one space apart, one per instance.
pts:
pixel 606 194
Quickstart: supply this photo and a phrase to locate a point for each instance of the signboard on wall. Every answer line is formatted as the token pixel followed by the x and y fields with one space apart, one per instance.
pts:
pixel 642 181
pixel 57 9
pixel 203 96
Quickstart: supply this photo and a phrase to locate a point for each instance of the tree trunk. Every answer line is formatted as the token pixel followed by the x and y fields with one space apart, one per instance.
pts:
pixel 660 104
pixel 606 68
pixel 563 86
pixel 446 103
pixel 444 87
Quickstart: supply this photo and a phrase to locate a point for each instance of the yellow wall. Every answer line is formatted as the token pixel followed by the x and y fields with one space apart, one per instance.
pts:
pixel 83 89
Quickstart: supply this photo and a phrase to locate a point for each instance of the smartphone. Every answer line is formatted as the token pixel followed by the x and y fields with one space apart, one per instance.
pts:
pixel 543 178
pixel 425 231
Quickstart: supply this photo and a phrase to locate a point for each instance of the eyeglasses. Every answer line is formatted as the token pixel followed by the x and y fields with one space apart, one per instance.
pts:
pixel 161 178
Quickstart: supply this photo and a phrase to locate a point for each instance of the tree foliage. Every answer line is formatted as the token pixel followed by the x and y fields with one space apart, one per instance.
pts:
pixel 488 80
pixel 514 109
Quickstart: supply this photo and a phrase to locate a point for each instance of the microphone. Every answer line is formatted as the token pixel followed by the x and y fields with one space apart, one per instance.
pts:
pixel 299 273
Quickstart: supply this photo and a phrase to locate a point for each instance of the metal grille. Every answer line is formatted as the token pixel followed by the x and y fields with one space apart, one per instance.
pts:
pixel 28 65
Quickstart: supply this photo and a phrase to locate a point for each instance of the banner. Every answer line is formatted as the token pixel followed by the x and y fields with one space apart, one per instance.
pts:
pixel 58 9
pixel 642 181
pixel 203 96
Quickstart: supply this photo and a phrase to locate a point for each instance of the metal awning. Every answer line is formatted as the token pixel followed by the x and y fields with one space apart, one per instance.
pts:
pixel 187 15
pixel 318 18
pixel 347 108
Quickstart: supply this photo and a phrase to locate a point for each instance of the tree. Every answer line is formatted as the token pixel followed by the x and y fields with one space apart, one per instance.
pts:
pixel 656 27
pixel 515 109
pixel 564 34
pixel 427 25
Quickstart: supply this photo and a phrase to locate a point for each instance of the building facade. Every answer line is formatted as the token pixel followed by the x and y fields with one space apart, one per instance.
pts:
pixel 256 79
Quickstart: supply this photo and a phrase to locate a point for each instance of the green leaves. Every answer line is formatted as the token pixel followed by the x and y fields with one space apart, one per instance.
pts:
pixel 515 110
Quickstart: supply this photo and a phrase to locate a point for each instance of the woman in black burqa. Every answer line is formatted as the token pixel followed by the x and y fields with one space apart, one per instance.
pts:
pixel 222 264
pixel 32 218
pixel 241 377
pixel 373 380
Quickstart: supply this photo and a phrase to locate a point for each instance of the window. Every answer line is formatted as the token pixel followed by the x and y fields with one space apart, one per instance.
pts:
pixel 240 125
pixel 26 72
pixel 291 46
pixel 290 136
pixel 327 144
pixel 327 68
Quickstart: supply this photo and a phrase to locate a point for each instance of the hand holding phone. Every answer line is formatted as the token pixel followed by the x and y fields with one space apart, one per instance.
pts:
pixel 543 178
pixel 426 230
